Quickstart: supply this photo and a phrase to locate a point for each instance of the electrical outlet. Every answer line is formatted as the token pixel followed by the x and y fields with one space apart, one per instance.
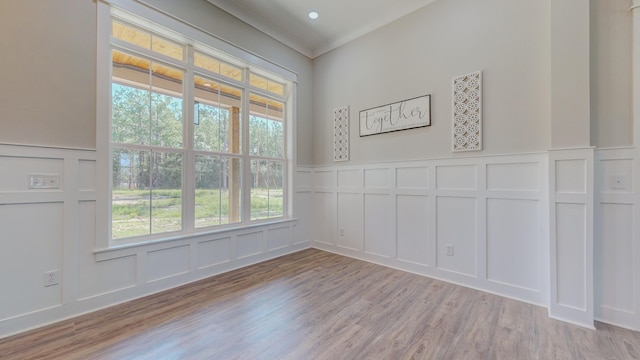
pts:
pixel 449 250
pixel 51 278
pixel 617 182
pixel 341 231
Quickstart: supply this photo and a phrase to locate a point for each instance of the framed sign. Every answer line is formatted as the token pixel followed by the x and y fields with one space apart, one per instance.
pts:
pixel 402 115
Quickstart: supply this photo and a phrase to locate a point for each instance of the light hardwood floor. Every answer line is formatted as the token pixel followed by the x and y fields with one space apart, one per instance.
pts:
pixel 318 305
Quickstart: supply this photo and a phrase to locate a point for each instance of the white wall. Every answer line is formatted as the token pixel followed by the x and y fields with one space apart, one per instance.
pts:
pixel 48 82
pixel 611 120
pixel 420 54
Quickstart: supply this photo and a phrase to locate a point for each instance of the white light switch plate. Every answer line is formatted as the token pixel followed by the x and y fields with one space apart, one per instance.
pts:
pixel 44 181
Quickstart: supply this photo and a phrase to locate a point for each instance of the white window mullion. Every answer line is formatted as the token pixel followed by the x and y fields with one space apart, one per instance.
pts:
pixel 189 182
pixel 246 159
pixel 103 127
pixel 290 150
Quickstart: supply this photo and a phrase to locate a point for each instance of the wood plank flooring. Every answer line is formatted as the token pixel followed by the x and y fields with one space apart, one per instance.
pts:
pixel 318 305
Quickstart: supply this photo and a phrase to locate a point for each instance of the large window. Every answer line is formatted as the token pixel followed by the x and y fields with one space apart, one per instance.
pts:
pixel 198 139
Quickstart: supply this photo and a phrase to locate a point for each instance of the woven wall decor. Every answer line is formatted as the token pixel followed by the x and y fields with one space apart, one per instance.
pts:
pixel 467 112
pixel 341 134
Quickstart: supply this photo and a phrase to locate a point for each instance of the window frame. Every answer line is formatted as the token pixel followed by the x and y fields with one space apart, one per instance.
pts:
pixel 151 21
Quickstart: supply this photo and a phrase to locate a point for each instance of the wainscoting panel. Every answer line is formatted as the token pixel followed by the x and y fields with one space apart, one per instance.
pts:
pixel 33 237
pixel 615 256
pixel 349 179
pixel 91 277
pixel 571 193
pixel 350 221
pixel 86 175
pixel 513 243
pixel 454 219
pixel 304 213
pixel 457 228
pixel 412 229
pixel 214 252
pixel 377 179
pixel 456 177
pixel 166 263
pixel 324 179
pixel 616 238
pixel 278 238
pixel 22 167
pixel 510 177
pixel 378 223
pixel 115 275
pixel 249 244
pixel 571 222
pixel 412 178
pixel 325 218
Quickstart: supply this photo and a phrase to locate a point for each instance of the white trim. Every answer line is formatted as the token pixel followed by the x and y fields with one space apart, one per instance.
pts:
pixel 192 32
pixel 581 313
pixel 635 61
pixel 103 126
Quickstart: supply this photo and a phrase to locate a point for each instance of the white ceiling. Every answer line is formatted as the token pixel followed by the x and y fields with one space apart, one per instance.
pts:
pixel 340 21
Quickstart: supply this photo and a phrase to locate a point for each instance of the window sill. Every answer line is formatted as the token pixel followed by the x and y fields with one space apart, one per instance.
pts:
pixel 129 249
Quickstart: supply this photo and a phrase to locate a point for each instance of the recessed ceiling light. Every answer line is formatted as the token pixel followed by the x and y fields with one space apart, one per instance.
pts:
pixel 207 85
pixel 313 15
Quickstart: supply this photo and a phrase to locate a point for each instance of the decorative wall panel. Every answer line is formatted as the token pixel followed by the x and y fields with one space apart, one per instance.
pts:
pixel 214 252
pixel 341 134
pixel 412 178
pixel 377 225
pixel 412 229
pixel 165 263
pixel 467 112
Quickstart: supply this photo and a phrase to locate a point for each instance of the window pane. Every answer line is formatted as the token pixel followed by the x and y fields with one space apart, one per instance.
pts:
pixel 131 35
pixel 266 129
pixel 267 189
pixel 130 99
pixel 166 192
pixel 146 102
pixel 258 135
pixel 276 186
pixel 230 71
pixel 168 48
pixel 166 106
pixel 217 190
pixel 259 189
pixel 130 205
pixel 216 117
pixel 276 139
pixel 217 66
pixel 276 88
pixel 258 81
pixel 206 62
pixel 266 84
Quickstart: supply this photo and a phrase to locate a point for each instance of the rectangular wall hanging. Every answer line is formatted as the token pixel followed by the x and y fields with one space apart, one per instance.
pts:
pixel 402 115
pixel 341 134
pixel 467 112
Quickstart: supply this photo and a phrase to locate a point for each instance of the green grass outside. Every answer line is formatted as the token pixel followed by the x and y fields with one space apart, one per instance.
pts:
pixel 131 213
